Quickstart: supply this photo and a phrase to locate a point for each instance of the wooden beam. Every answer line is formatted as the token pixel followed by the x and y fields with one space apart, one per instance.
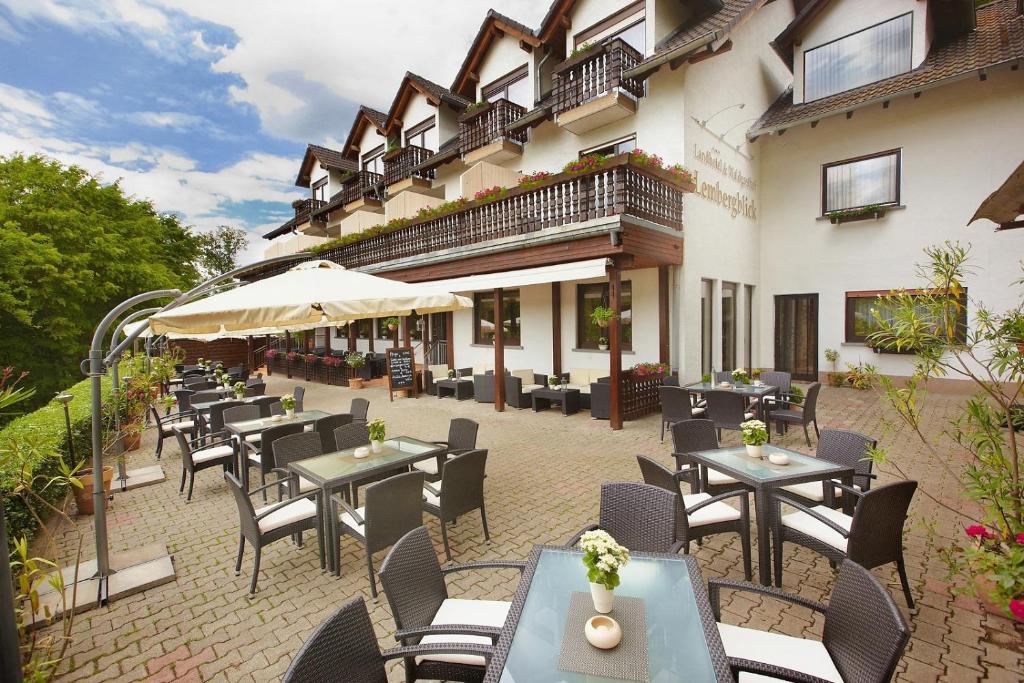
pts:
pixel 327 341
pixel 371 335
pixel 525 46
pixel 406 333
pixel 615 345
pixel 556 328
pixel 663 314
pixel 565 22
pixel 248 355
pixel 449 333
pixel 350 330
pixel 499 353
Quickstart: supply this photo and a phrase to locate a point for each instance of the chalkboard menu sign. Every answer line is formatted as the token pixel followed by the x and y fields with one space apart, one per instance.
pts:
pixel 401 370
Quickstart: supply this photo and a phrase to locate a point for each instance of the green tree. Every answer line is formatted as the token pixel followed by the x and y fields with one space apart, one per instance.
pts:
pixel 219 249
pixel 71 247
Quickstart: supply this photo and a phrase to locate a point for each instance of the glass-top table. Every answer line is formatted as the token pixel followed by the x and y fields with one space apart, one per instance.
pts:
pixel 331 471
pixel 764 477
pixel 246 428
pixel 682 638
pixel 749 391
pixel 205 406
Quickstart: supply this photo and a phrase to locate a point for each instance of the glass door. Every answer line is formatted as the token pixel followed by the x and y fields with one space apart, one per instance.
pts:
pixel 796 335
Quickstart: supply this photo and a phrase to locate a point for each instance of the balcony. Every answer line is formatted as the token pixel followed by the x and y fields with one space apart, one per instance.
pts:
pixel 304 209
pixel 360 191
pixel 482 135
pixel 400 173
pixel 590 90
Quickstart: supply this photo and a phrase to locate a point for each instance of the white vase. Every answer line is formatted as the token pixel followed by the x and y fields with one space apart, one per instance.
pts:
pixel 754 451
pixel 603 598
pixel 377 445
pixel 289 412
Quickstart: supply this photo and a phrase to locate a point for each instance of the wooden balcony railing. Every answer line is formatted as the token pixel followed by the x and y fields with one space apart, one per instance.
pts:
pixel 361 186
pixel 400 165
pixel 620 186
pixel 594 73
pixel 487 124
pixel 304 207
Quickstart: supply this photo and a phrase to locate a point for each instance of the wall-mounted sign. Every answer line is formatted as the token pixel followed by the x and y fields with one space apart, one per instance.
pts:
pixel 736 202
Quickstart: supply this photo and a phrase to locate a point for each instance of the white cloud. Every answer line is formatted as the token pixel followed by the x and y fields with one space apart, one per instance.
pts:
pixel 173 120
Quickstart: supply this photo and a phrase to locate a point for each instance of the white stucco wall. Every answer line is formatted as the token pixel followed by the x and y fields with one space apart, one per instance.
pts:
pixel 370 139
pixel 416 111
pixel 503 56
pixel 840 19
pixel 956 150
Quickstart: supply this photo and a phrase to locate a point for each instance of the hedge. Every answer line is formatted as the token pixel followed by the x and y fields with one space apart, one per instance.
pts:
pixel 46 428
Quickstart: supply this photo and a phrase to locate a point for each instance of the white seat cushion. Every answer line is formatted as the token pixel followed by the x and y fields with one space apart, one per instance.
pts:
pixel 811 490
pixel 348 521
pixel 475 612
pixel 748 416
pixel 254 438
pixel 525 375
pixel 697 411
pixel 302 508
pixel 430 498
pixel 712 514
pixel 183 425
pixel 527 388
pixel 578 377
pixel 803 522
pixel 305 485
pixel 438 371
pixel 716 477
pixel 428 466
pixel 206 454
pixel 585 389
pixel 807 656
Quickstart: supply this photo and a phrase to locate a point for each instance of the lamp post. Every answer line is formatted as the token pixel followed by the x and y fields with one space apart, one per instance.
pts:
pixel 64 398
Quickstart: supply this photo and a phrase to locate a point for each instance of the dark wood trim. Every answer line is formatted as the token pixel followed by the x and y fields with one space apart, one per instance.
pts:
pixel 615 345
pixel 353 335
pixel 407 324
pixel 499 352
pixel 371 334
pixel 556 328
pixel 898 152
pixel 501 83
pixel 327 340
pixel 606 23
pixel 663 314
pixel 449 333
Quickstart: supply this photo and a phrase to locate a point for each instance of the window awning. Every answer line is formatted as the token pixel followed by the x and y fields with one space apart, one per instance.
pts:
pixel 561 272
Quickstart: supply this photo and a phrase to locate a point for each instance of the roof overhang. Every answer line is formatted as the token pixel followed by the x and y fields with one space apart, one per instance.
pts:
pixel 1005 206
pixel 494 26
pixel 784 42
pixel 283 229
pixel 359 124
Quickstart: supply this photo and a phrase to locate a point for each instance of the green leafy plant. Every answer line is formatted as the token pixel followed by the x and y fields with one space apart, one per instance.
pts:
pixel 451 374
pixel 554 381
pixel 796 396
pixel 288 402
pixel 988 558
pixel 754 433
pixel 869 210
pixel 355 360
pixel 428 213
pixel 740 376
pixel 603 558
pixel 239 388
pixel 860 376
pixel 392 323
pixel 393 147
pixel 602 316
pixel 489 194
pixel 583 48
pixel 533 179
pixel 377 429
pixel 602 341
pixel 705 378
pixel 585 164
pixel 479 104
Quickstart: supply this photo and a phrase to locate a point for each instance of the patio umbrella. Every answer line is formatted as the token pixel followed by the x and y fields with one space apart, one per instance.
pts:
pixel 312 294
pixel 147 333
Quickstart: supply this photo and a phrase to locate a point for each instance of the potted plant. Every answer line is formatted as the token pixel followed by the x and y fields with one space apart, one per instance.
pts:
pixel 553 381
pixel 602 316
pixel 706 378
pixel 377 430
pixel 755 436
pixel 392 323
pixel 288 403
pixel 603 558
pixel 83 495
pixel 451 374
pixel 740 376
pixel 239 388
pixel 168 403
pixel 602 343
pixel 355 361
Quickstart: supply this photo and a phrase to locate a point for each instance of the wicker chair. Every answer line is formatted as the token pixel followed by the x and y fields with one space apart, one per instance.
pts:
pixel 483 388
pixel 345 645
pixel 299 393
pixel 264 403
pixel 263 457
pixel 676 406
pixel 290 448
pixel 698 514
pixel 253 381
pixel 424 614
pixel 864 634
pixel 254 390
pixel 193 380
pixel 461 491
pixel 215 418
pixel 196 456
pixel 184 398
pixel 640 517
pixel 461 438
pixel 358 409
pixel 873 536
pixel 165 426
pixel 325 427
pixel 262 526
pixel 723 376
pixel 691 436
pixel 802 415
pixel 354 435
pixel 845 448
pixel 203 396
pixel 393 508
pixel 726 409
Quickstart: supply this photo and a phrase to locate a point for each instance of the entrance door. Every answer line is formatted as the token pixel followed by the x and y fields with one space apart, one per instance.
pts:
pixel 796 335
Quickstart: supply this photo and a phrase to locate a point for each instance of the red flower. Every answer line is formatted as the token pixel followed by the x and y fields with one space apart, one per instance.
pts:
pixel 977 530
pixel 1020 538
pixel 1017 608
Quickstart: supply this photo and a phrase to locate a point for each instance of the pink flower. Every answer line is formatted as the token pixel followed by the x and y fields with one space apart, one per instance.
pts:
pixel 977 530
pixel 1020 538
pixel 1017 608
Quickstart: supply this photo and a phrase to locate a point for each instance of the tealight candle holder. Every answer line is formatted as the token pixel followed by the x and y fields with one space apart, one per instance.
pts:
pixel 603 632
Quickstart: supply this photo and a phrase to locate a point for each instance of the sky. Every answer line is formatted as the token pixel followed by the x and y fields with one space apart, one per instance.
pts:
pixel 205 107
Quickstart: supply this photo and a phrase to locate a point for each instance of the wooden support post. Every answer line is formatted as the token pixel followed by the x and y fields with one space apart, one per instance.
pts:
pixel 615 344
pixel 663 314
pixel 287 350
pixel 327 340
pixel 556 328
pixel 350 330
pixel 406 332
pixel 371 335
pixel 449 340
pixel 499 353
pixel 248 354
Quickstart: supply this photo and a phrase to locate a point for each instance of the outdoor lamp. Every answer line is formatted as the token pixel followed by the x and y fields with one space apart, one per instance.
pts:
pixel 64 398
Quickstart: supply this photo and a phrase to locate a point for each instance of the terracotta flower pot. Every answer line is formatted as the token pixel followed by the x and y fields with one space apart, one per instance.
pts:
pixel 131 441
pixel 355 383
pixel 83 496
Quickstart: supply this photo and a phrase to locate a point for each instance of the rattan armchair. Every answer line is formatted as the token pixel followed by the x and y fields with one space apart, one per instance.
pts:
pixel 462 434
pixel 215 418
pixel 266 405
pixel 699 514
pixel 184 398
pixel 195 457
pixel 695 435
pixel 790 413
pixel 863 638
pixel 252 390
pixel 262 526
pixel 393 508
pixel 165 426
pixel 483 388
pixel 461 491
pixel 640 517
pixel 358 409
pixel 345 647
pixel 325 427
pixel 726 409
pixel 299 393
pixel 843 447
pixel 425 614
pixel 289 448
pixel 263 457
pixel 873 536
pixel 676 406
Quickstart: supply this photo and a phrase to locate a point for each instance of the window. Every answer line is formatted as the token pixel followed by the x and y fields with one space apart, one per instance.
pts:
pixel 320 338
pixel 864 57
pixel 341 332
pixel 589 297
pixel 418 134
pixel 320 189
pixel 705 326
pixel 613 148
pixel 364 328
pixel 373 161
pixel 514 87
pixel 728 325
pixel 635 34
pixel 860 182
pixel 862 307
pixel 483 317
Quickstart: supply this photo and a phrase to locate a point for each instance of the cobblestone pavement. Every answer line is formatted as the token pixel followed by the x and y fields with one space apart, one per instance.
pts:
pixel 544 475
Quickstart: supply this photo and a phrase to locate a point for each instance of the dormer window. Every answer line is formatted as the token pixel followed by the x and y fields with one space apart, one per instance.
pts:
pixel 514 87
pixel 420 134
pixel 872 54
pixel 373 161
pixel 320 190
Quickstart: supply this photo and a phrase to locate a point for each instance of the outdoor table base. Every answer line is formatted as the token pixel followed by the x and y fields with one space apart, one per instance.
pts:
pixel 461 389
pixel 568 398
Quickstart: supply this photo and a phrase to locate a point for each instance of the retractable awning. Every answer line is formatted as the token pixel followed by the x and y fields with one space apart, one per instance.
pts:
pixel 561 272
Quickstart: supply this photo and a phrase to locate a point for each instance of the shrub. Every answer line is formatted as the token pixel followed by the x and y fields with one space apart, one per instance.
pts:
pixel 585 164
pixel 490 194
